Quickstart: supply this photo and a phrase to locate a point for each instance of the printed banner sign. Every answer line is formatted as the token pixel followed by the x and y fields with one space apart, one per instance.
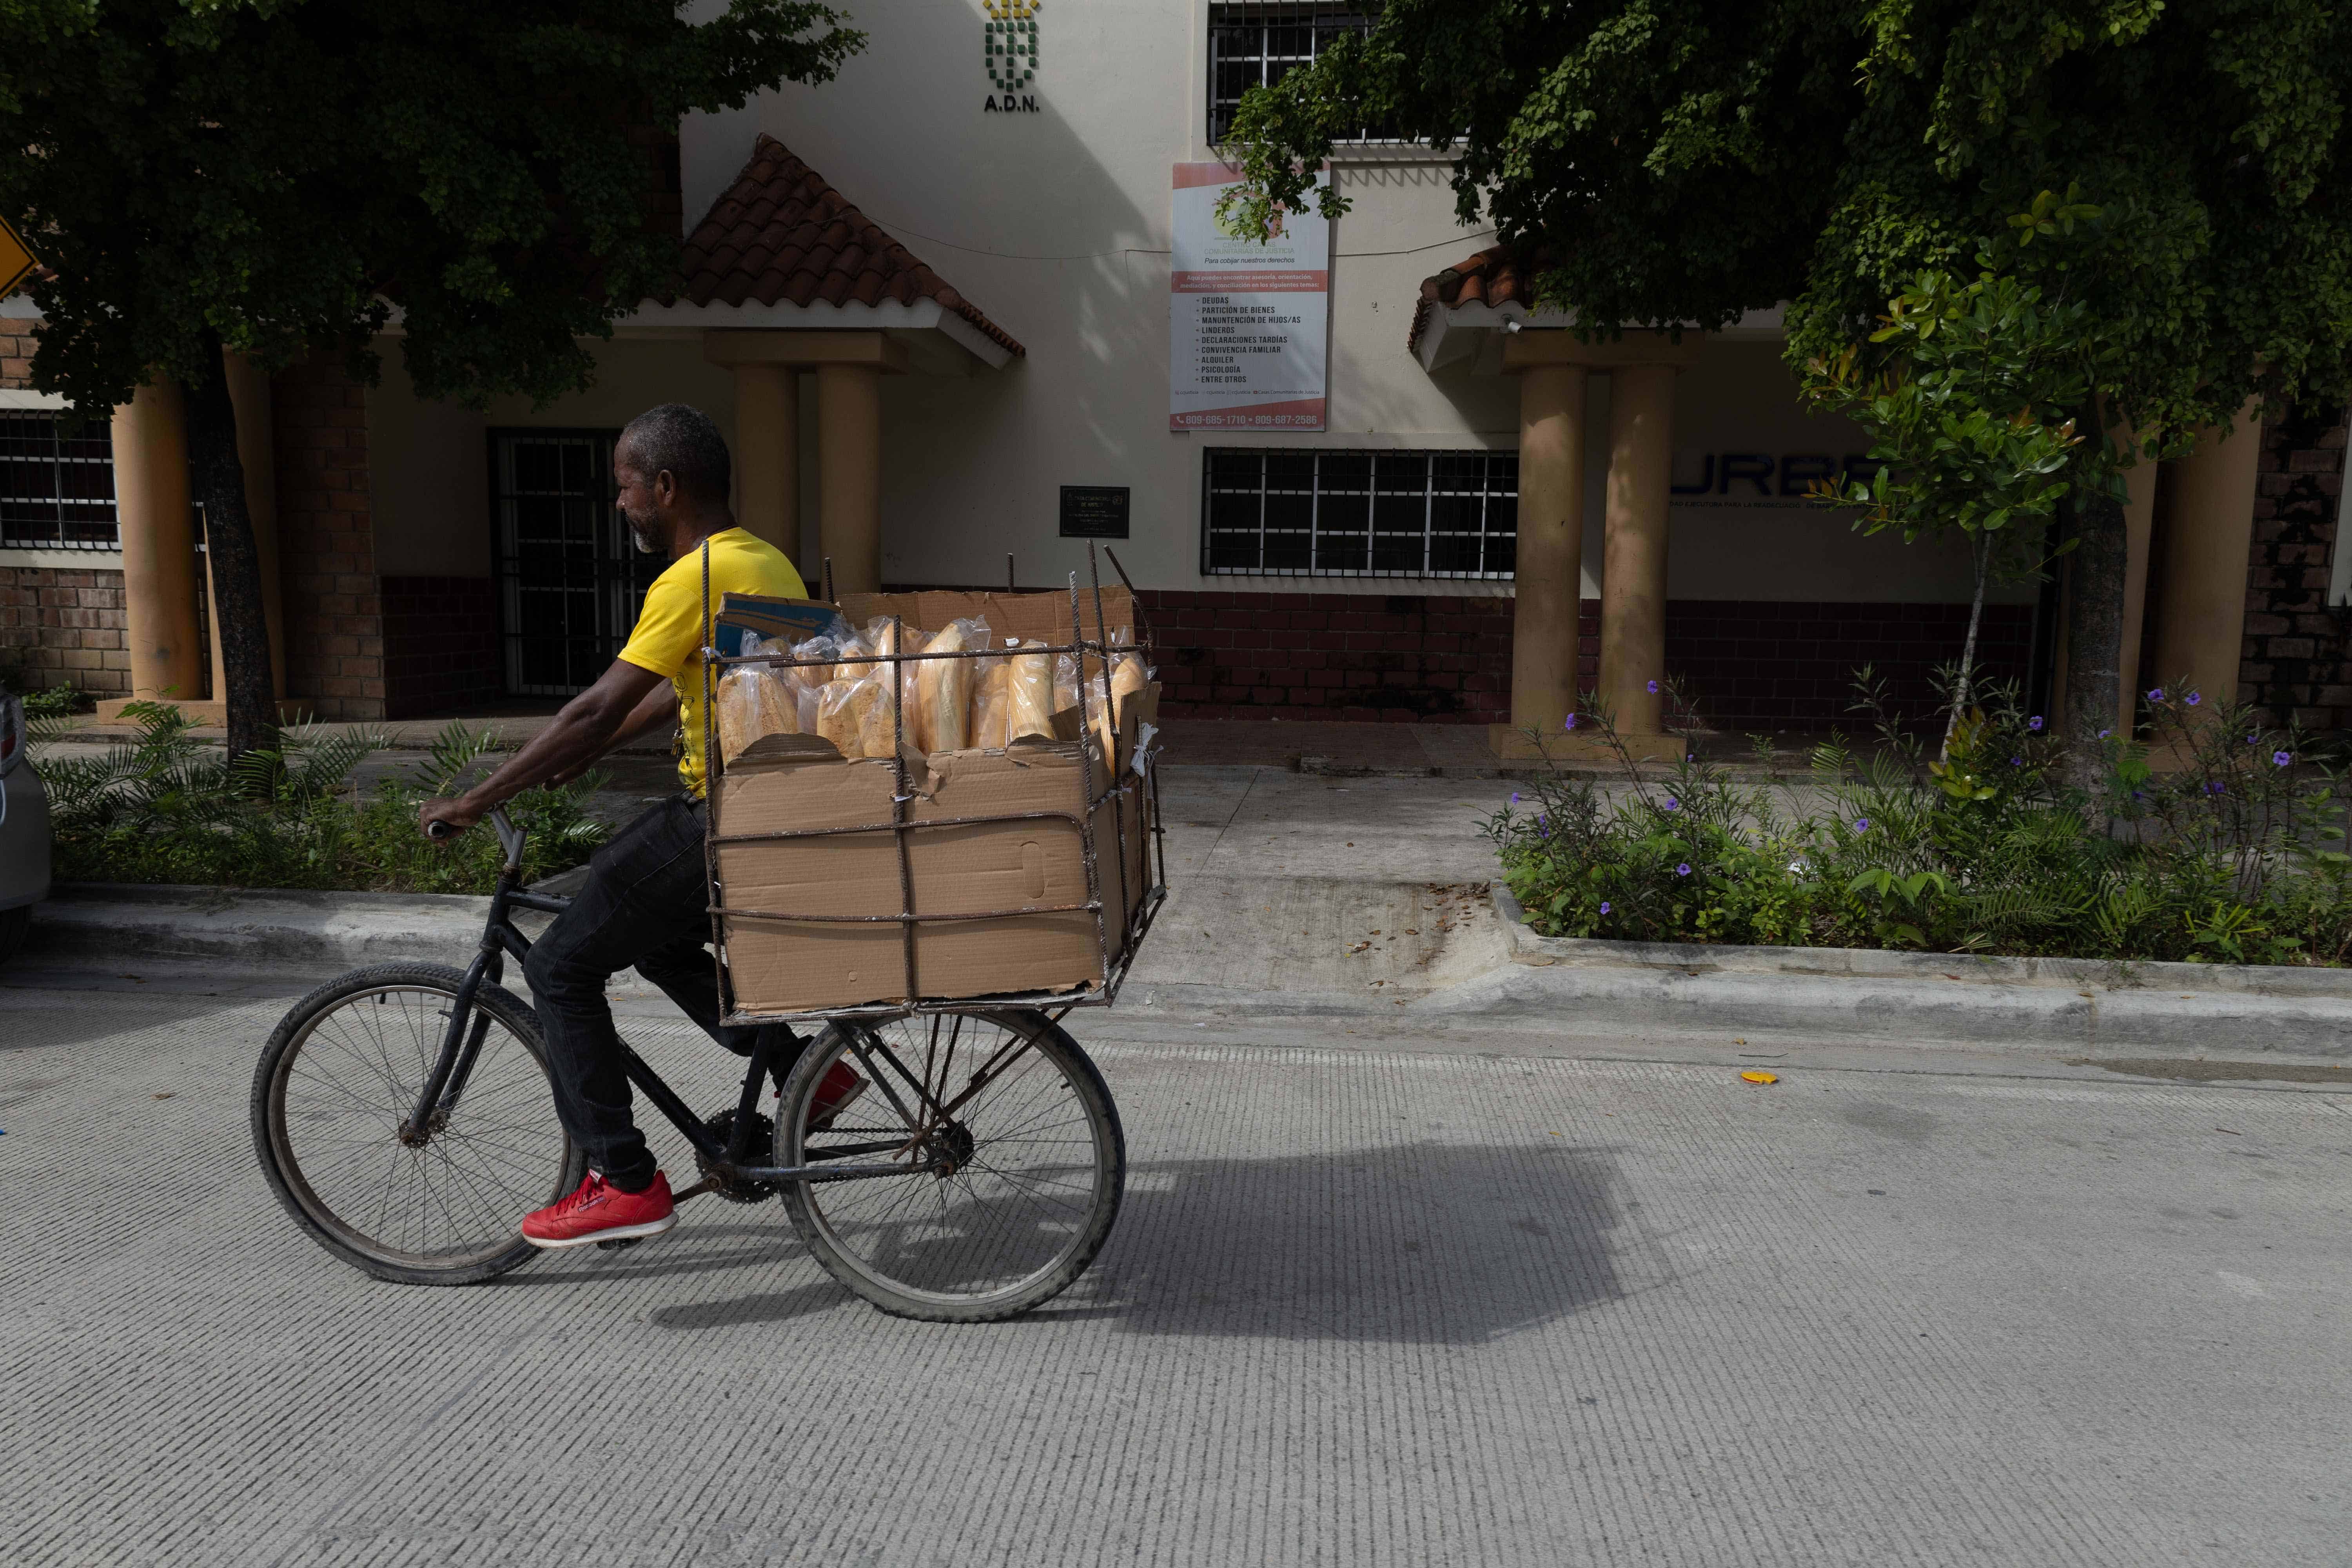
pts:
pixel 1248 321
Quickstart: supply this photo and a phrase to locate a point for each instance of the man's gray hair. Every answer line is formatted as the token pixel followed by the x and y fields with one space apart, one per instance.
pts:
pixel 683 439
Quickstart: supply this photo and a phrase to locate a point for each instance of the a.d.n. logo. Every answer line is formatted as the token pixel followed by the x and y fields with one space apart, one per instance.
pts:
pixel 1010 32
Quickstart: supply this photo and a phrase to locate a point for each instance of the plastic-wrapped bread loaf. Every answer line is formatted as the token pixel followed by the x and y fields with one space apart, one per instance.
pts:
pixel 943 708
pixel 857 660
pixel 753 702
pixel 877 731
pixel 1128 676
pixel 1029 709
pixel 992 706
pixel 844 710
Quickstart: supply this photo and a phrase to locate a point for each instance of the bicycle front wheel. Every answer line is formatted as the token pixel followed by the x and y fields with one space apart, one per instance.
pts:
pixel 1014 1164
pixel 333 1101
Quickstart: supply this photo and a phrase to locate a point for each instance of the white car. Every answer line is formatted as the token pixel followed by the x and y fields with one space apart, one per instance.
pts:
pixel 23 831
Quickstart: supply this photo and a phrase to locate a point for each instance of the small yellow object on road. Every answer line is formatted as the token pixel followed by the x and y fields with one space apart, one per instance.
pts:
pixel 1760 1077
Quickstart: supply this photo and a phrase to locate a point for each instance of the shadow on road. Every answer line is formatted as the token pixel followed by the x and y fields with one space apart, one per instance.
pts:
pixel 1425 1243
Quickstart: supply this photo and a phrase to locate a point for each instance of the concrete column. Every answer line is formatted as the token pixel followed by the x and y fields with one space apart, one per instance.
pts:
pixel 849 474
pixel 2205 544
pixel 256 453
pixel 768 453
pixel 159 544
pixel 2139 522
pixel 1550 555
pixel 1634 563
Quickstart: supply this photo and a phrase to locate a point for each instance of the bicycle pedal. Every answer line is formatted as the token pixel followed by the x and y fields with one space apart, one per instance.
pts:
pixel 615 1245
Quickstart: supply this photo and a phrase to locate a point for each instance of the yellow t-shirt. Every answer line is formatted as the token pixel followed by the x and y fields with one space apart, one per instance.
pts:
pixel 668 635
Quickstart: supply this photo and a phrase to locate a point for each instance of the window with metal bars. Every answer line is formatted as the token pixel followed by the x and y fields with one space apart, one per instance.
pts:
pixel 1298 513
pixel 570 582
pixel 57 483
pixel 1258 45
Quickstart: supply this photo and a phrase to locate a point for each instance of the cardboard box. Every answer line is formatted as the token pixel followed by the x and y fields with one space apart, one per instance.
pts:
pixel 796 783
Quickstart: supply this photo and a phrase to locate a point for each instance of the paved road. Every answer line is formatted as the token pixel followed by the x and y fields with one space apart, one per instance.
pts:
pixel 1367 1305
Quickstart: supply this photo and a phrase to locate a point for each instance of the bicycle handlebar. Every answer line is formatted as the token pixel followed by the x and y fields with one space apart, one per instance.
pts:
pixel 511 837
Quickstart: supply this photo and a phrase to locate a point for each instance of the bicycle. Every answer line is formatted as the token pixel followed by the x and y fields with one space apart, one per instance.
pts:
pixel 403 1116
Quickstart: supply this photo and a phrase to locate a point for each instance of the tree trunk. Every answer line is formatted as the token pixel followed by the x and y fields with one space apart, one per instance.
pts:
pixel 1965 688
pixel 2094 633
pixel 235 561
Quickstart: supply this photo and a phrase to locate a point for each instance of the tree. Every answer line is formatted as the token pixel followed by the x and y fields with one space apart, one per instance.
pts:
pixel 277 176
pixel 1971 392
pixel 1676 162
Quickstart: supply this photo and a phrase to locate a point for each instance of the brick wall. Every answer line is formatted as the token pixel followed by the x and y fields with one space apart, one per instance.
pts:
pixel 1433 659
pixel 1406 658
pixel 57 624
pixel 326 549
pixel 16 352
pixel 440 645
pixel 1750 665
pixel 2298 652
pixel 62 625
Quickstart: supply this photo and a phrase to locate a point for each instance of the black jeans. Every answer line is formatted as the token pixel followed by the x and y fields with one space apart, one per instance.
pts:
pixel 646 903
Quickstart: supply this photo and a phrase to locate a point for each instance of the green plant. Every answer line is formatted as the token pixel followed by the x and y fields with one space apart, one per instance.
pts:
pixel 164 807
pixel 2231 851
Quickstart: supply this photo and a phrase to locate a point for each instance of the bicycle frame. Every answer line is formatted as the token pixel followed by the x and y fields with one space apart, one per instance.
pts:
pixel 461 1046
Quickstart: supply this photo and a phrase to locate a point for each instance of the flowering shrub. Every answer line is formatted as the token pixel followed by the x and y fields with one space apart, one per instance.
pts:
pixel 2212 839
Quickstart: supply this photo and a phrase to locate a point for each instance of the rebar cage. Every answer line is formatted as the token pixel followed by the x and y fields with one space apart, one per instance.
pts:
pixel 1135 923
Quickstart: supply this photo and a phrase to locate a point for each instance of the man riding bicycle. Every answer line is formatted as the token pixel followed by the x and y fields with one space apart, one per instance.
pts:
pixel 646 900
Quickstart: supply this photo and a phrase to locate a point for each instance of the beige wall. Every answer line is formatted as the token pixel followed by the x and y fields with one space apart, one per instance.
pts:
pixel 429 479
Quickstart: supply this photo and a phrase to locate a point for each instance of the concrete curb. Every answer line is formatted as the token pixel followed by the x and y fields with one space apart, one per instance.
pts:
pixel 270 926
pixel 1929 998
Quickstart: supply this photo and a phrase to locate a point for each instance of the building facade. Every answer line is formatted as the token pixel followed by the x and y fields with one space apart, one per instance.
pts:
pixel 928 297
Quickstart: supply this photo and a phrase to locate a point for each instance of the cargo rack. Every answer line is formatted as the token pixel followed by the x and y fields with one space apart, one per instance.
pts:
pixel 1155 851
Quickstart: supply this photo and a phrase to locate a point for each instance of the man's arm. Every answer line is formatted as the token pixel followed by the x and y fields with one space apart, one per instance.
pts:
pixel 655 711
pixel 626 699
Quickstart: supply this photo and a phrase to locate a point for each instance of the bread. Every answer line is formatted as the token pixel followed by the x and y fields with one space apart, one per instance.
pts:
pixel 992 706
pixel 1030 708
pixel 844 711
pixel 1127 677
pixel 943 708
pixel 753 702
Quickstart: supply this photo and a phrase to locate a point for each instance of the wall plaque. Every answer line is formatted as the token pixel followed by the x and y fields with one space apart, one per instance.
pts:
pixel 1094 512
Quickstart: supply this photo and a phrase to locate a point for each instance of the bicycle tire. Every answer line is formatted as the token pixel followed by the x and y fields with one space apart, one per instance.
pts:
pixel 870 1237
pixel 493 1183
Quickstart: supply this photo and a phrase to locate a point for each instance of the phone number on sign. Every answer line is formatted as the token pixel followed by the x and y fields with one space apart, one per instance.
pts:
pixel 1254 421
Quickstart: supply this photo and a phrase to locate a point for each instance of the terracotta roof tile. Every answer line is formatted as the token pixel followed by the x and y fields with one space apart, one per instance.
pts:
pixel 1495 275
pixel 780 233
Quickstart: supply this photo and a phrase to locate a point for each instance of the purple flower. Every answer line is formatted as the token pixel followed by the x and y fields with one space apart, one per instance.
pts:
pixel 1604 906
pixel 1514 798
pixel 2192 699
pixel 2282 758
pixel 2214 789
pixel 1672 804
pixel 2035 722
pixel 2105 733
pixel 1654 688
pixel 1571 722
pixel 1683 869
pixel 2255 739
pixel 2017 762
pixel 1862 825
pixel 2155 694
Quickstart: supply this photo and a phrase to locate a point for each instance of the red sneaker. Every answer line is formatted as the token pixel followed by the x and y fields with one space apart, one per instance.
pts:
pixel 840 1085
pixel 599 1211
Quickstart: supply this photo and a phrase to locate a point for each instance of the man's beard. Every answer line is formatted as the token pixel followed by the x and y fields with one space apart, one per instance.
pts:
pixel 640 534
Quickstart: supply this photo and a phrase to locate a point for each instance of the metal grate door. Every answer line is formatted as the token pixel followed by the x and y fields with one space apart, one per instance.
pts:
pixel 570 582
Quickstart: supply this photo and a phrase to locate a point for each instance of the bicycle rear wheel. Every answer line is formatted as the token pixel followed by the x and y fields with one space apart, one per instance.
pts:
pixel 1006 1199
pixel 340 1075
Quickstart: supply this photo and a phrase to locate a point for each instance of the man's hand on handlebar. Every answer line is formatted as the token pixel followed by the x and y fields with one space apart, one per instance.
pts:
pixel 443 819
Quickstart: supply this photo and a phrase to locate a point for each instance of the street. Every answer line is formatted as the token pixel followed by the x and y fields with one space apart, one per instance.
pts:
pixel 1368 1302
